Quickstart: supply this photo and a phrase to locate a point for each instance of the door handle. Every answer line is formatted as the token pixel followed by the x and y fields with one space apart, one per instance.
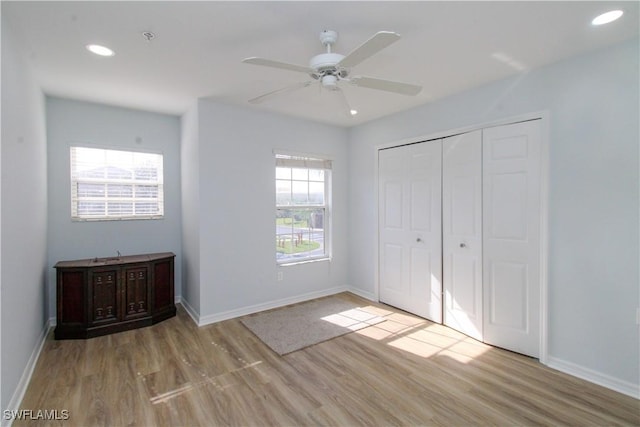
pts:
pixel 418 240
pixel 463 245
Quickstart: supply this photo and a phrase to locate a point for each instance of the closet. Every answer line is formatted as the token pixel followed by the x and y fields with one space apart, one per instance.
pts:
pixel 459 232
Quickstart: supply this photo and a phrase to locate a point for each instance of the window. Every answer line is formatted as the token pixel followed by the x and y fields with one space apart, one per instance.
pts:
pixel 112 185
pixel 302 208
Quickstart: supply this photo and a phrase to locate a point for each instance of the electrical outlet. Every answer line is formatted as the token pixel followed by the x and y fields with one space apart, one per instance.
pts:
pixel 280 276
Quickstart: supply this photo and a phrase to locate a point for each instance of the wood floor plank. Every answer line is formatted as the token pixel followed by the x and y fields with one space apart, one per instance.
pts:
pixel 402 371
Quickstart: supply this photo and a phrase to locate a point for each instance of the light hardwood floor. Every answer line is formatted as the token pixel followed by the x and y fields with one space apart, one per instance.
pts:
pixel 404 371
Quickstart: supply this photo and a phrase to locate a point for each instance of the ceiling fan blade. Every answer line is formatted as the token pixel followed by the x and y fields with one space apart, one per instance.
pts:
pixel 387 85
pixel 291 88
pixel 376 43
pixel 277 64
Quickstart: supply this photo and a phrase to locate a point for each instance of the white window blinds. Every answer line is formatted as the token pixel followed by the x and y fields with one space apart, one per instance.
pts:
pixel 302 162
pixel 112 184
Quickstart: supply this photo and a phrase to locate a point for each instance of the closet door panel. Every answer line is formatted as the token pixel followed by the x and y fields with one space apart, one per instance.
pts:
pixel 462 233
pixel 410 275
pixel 511 228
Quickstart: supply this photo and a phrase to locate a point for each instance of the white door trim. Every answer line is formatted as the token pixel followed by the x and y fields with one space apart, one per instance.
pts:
pixel 544 117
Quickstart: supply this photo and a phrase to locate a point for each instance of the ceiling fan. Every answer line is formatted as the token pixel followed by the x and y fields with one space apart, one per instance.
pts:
pixel 331 69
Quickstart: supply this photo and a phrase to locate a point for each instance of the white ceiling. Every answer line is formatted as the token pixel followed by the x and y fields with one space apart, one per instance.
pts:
pixel 446 47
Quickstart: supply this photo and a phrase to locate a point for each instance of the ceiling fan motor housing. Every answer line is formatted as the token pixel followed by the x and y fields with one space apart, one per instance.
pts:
pixel 326 69
pixel 325 62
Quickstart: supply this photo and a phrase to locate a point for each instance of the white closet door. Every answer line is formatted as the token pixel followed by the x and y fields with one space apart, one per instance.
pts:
pixel 462 232
pixel 410 228
pixel 511 236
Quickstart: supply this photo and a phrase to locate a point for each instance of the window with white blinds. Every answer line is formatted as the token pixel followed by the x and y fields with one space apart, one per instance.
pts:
pixel 115 185
pixel 302 208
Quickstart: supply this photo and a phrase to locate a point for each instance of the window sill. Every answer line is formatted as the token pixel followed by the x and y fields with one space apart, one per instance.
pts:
pixel 125 218
pixel 306 261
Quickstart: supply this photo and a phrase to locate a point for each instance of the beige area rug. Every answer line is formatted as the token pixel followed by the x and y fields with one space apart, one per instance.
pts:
pixel 297 326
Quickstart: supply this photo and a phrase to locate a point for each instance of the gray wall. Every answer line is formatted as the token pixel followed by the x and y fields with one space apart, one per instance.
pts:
pixel 24 215
pixel 81 123
pixel 593 206
pixel 190 169
pixel 236 202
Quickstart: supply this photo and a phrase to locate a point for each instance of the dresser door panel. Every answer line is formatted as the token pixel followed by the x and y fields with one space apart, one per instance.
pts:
pixel 136 292
pixel 104 287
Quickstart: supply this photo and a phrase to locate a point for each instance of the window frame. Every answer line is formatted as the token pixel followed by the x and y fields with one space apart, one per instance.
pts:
pixel 75 198
pixel 326 206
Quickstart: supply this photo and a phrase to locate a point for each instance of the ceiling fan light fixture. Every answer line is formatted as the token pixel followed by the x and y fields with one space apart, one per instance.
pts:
pixel 100 50
pixel 330 82
pixel 607 17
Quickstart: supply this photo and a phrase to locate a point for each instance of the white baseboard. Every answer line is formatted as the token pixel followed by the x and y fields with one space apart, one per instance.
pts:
pixel 231 314
pixel 190 311
pixel 21 388
pixel 364 294
pixel 616 384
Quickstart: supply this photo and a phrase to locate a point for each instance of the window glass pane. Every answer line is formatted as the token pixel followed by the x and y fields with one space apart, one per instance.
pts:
pixel 300 229
pixel 284 221
pixel 302 174
pixel 284 230
pixel 317 229
pixel 316 219
pixel 316 193
pixel 299 218
pixel 316 175
pixel 283 173
pixel 300 191
pixel 283 192
pixel 299 234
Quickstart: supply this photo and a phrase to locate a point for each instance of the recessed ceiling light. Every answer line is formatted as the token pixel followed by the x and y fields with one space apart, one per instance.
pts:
pixel 100 50
pixel 353 112
pixel 607 17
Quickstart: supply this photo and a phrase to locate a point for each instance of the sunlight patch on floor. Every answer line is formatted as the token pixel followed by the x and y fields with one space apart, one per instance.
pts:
pixel 375 332
pixel 424 338
pixel 419 348
pixel 425 344
pixel 354 319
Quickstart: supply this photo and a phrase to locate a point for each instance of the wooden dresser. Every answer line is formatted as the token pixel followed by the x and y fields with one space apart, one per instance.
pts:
pixel 100 296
